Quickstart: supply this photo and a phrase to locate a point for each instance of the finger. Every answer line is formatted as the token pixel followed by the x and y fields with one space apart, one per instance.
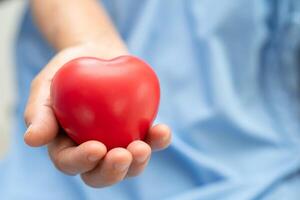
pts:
pixel 72 159
pixel 140 152
pixel 112 169
pixel 159 137
pixel 39 117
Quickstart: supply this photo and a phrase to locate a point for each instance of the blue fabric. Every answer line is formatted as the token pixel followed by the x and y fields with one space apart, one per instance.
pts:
pixel 229 73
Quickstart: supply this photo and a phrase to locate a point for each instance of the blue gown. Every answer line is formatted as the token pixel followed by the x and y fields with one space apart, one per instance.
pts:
pixel 230 80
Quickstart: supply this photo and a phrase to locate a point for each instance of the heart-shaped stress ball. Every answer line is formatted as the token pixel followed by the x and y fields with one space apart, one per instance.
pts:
pixel 112 101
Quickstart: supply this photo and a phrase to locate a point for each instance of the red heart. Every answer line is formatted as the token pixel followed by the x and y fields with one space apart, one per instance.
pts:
pixel 112 101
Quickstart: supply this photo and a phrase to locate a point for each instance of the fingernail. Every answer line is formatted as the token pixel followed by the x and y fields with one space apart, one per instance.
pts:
pixel 164 139
pixel 121 167
pixel 93 158
pixel 141 159
pixel 161 143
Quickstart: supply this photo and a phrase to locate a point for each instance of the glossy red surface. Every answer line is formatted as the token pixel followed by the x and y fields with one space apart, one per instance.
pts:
pixel 112 101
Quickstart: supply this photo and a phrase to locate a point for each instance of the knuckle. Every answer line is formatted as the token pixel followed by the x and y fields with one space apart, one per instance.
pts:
pixel 112 180
pixel 134 173
pixel 94 182
pixel 88 181
pixel 58 163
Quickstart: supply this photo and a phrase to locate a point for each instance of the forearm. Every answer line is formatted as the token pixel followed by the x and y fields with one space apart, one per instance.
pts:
pixel 69 23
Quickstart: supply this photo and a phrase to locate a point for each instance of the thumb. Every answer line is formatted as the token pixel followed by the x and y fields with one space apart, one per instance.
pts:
pixel 39 116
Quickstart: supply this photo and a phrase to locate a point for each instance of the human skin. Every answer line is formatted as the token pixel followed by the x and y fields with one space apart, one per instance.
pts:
pixel 75 29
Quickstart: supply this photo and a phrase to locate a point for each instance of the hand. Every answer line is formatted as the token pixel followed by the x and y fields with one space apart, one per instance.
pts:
pixel 98 168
